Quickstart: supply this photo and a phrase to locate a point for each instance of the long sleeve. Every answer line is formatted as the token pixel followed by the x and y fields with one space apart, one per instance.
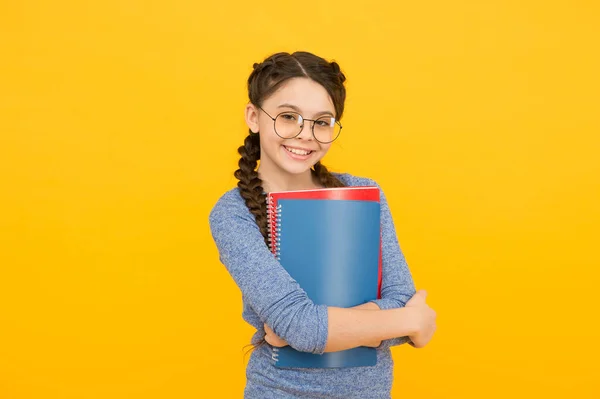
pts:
pixel 267 287
pixel 397 283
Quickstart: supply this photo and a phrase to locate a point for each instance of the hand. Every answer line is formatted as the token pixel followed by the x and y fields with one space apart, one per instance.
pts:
pixel 272 338
pixel 424 318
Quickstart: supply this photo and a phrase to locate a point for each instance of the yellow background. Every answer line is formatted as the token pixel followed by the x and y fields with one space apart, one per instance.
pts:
pixel 119 125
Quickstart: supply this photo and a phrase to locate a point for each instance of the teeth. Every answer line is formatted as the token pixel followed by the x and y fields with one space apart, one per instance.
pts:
pixel 297 152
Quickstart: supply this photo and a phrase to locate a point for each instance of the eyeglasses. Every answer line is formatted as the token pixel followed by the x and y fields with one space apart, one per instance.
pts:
pixel 289 124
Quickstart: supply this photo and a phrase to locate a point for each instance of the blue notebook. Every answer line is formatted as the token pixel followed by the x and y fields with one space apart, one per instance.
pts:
pixel 330 246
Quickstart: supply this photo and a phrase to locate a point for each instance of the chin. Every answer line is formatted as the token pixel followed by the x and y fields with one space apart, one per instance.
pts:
pixel 296 169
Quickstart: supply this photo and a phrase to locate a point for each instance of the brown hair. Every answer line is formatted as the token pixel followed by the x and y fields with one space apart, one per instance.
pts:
pixel 264 80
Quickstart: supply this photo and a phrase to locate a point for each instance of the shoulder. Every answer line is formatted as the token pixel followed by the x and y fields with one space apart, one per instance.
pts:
pixel 229 204
pixel 355 181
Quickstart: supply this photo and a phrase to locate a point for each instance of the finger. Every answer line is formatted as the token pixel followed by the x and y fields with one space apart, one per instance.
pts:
pixel 268 339
pixel 274 340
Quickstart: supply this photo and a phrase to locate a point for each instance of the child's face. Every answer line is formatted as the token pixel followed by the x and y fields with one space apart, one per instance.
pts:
pixel 311 101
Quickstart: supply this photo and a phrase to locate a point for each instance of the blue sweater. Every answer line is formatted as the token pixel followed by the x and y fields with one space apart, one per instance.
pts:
pixel 271 296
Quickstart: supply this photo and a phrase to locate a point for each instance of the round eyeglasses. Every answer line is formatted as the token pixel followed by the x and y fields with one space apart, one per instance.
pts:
pixel 289 124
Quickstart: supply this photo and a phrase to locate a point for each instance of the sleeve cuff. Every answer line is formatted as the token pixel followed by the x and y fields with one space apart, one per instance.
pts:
pixel 385 304
pixel 393 342
pixel 322 331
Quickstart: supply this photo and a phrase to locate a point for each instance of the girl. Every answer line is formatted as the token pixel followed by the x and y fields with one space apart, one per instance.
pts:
pixel 296 102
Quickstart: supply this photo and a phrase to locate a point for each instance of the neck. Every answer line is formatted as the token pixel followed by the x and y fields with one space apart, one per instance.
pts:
pixel 283 181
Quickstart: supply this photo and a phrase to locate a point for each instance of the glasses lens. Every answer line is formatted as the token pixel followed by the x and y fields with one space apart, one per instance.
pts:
pixel 326 129
pixel 288 124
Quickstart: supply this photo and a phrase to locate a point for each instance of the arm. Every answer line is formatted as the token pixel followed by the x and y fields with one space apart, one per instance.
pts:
pixel 367 306
pixel 274 340
pixel 278 299
pixel 387 343
pixel 370 306
pixel 397 283
pixel 361 327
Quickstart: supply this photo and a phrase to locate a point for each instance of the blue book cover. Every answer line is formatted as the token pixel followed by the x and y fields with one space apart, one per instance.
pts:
pixel 331 248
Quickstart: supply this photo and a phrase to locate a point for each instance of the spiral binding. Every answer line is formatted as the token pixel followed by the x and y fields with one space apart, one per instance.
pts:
pixel 274 215
pixel 274 239
pixel 275 354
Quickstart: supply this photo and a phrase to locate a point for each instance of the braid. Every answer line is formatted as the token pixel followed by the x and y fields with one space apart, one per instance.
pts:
pixel 325 177
pixel 250 184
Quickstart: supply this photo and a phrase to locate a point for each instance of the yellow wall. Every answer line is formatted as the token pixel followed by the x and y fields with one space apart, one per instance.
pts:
pixel 119 123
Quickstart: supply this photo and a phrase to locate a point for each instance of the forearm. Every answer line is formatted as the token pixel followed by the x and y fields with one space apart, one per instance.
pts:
pixel 367 306
pixel 350 328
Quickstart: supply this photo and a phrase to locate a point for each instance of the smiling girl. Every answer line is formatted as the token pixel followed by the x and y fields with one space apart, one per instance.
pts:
pixel 296 103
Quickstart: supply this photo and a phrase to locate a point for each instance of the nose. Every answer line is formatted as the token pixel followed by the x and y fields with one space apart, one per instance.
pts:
pixel 306 132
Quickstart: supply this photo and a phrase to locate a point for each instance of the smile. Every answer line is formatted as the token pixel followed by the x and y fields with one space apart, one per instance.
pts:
pixel 298 151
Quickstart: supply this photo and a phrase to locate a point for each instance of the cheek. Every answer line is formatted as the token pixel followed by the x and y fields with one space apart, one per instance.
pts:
pixel 267 132
pixel 269 140
pixel 266 126
pixel 325 147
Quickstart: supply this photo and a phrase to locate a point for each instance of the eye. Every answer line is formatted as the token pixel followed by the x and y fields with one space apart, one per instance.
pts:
pixel 289 117
pixel 324 122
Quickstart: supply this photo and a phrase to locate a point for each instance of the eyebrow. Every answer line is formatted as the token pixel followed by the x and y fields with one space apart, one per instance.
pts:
pixel 295 108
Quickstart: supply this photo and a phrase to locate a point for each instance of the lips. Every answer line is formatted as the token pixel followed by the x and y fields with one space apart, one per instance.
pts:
pixel 297 154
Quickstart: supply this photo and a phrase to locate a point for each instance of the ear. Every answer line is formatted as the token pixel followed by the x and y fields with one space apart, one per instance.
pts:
pixel 252 117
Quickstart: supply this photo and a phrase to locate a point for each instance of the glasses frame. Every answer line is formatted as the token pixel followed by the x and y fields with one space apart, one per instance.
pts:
pixel 312 127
